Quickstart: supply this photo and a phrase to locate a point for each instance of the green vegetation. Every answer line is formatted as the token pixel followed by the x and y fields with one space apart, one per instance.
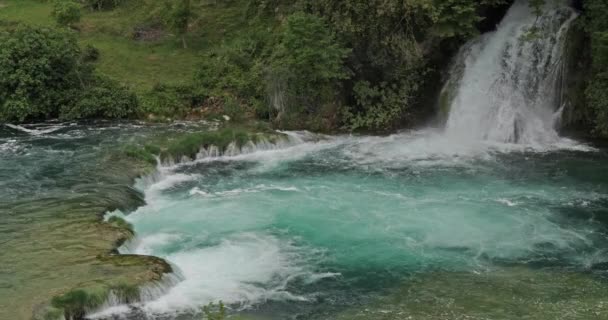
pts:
pixel 43 75
pixel 66 12
pixel 180 14
pixel 189 145
pixel 214 312
pixel 121 223
pixel 322 65
pixel 75 303
pixel 597 90
pixel 317 64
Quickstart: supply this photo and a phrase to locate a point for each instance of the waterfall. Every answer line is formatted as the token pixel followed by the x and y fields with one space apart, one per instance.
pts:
pixel 506 86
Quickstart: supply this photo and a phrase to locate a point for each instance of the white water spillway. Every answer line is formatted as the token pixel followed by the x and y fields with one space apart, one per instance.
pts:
pixel 506 86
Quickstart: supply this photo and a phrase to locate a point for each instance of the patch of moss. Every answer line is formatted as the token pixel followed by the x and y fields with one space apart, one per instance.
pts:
pixel 139 153
pixel 121 223
pixel 189 145
pixel 126 293
pixel 158 266
pixel 75 303
pixel 150 148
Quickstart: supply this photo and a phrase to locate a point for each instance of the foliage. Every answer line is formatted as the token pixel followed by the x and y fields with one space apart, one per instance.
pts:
pixel 169 100
pixel 308 61
pixel 597 90
pixel 537 6
pixel 213 312
pixel 38 71
pixel 43 74
pixel 103 99
pixel 234 74
pixel 90 54
pixel 179 15
pixel 392 44
pixel 384 105
pixel 66 12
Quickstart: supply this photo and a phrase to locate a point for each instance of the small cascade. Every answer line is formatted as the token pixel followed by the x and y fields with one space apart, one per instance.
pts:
pixel 261 144
pixel 505 87
pixel 120 303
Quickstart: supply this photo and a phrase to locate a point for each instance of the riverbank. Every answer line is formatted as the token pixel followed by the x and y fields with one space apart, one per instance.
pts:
pixel 59 255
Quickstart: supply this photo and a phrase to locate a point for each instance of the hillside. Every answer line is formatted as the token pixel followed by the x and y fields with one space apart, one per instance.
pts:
pixel 140 63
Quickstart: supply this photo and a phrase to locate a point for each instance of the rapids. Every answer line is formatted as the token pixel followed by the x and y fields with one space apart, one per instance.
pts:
pixel 326 225
pixel 492 217
pixel 323 227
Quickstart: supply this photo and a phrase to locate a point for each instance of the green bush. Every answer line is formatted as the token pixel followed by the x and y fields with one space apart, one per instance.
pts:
pixel 104 99
pixel 66 12
pixel 305 68
pixel 385 106
pixel 89 54
pixel 170 101
pixel 43 75
pixel 214 312
pixel 38 73
pixel 597 90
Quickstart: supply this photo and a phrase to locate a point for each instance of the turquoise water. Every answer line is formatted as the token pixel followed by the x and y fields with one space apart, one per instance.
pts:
pixel 312 230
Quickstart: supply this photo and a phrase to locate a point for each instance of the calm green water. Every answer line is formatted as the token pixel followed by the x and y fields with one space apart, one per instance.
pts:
pixel 382 228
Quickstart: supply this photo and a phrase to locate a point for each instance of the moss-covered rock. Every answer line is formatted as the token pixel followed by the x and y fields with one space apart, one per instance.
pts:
pixel 74 304
pixel 189 146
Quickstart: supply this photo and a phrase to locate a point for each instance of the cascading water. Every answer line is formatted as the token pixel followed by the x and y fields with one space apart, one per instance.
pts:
pixel 308 228
pixel 508 88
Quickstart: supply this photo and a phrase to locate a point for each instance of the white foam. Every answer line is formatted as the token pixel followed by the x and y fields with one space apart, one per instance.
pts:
pixel 507 202
pixel 508 89
pixel 245 269
pixel 196 191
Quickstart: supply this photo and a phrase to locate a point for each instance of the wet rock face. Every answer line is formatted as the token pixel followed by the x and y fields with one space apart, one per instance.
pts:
pixel 492 16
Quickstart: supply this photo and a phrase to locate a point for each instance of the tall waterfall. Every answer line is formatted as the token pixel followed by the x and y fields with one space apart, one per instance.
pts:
pixel 506 85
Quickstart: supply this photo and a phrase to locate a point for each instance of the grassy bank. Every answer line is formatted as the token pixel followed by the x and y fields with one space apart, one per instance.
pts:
pixel 140 64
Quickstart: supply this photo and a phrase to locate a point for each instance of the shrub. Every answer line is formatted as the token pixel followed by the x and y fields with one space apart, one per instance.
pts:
pixel 168 100
pixel 66 12
pixel 89 54
pixel 597 90
pixel 305 66
pixel 215 312
pixel 106 99
pixel 38 73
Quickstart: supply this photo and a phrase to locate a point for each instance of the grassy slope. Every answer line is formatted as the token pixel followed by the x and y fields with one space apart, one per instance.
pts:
pixel 141 64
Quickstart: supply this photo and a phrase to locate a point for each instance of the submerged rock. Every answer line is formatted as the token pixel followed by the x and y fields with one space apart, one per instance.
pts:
pixel 510 293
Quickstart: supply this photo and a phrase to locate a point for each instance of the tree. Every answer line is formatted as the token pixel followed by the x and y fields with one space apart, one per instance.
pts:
pixel 179 16
pixel 38 72
pixel 308 60
pixel 66 12
pixel 44 74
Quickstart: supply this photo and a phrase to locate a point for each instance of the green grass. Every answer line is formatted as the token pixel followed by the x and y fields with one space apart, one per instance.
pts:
pixel 28 11
pixel 141 64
